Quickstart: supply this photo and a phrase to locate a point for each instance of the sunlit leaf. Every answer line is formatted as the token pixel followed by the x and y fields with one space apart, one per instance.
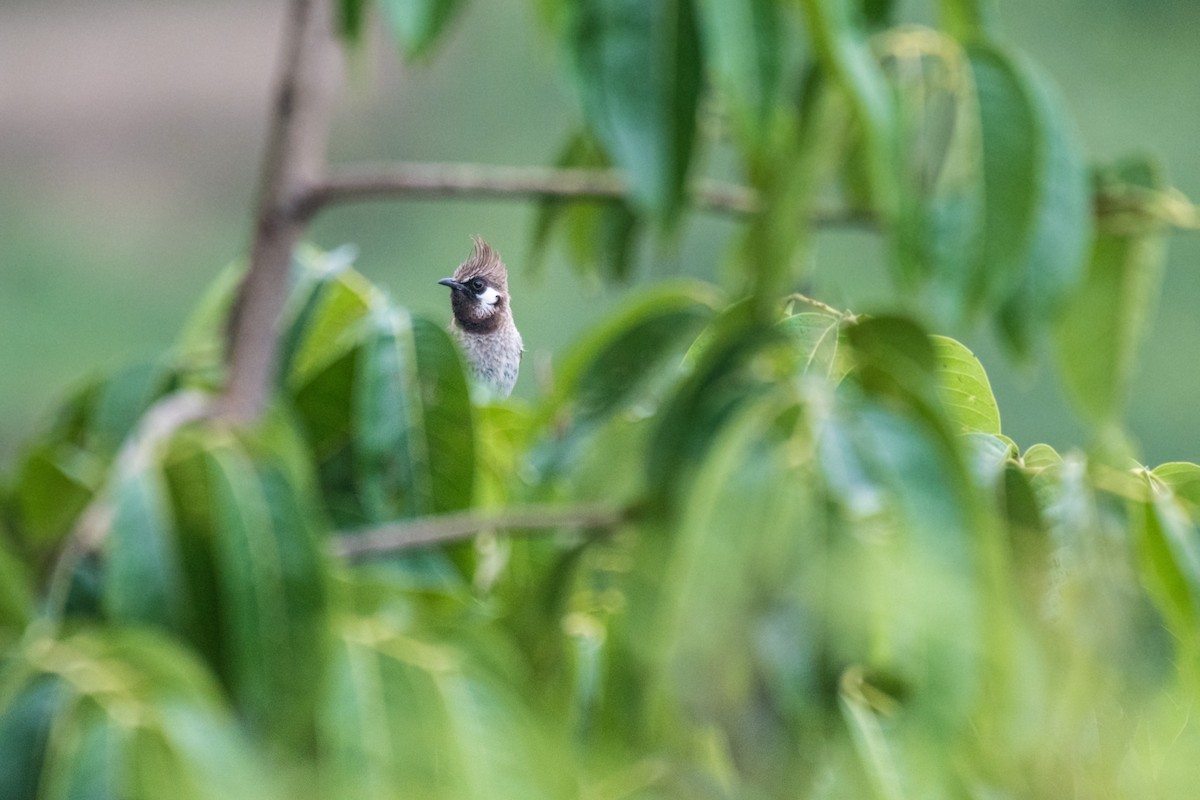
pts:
pixel 638 67
pixel 1183 478
pixel 963 388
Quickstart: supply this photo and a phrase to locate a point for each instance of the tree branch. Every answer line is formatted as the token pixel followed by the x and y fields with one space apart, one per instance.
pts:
pixel 396 537
pixel 293 161
pixel 425 180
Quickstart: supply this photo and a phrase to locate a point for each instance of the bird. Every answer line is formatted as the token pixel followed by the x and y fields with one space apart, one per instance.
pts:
pixel 483 321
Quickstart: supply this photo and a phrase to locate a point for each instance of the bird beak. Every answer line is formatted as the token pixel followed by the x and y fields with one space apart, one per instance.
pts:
pixel 453 284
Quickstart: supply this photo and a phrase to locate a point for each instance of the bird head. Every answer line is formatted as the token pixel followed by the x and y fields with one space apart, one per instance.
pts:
pixel 479 290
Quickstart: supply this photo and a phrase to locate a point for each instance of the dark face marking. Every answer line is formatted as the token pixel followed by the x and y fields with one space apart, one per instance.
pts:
pixel 471 313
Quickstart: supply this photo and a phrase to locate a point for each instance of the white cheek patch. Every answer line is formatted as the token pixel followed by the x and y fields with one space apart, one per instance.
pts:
pixel 489 297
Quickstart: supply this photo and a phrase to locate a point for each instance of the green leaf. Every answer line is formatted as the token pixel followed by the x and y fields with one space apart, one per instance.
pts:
pixel 418 25
pixel 601 237
pixel 963 388
pixel 748 531
pixel 144 581
pixel 352 18
pixel 403 711
pixel 25 723
pixel 413 440
pixel 844 52
pixel 1060 226
pixel 612 364
pixel 1183 478
pixel 893 355
pixel 745 42
pixel 54 484
pixel 16 595
pixel 1011 132
pixel 246 501
pixel 1041 456
pixel 967 19
pixel 324 334
pixel 941 208
pixel 1106 320
pixel 638 67
pixel 129 714
pixel 1168 551
pixel 818 338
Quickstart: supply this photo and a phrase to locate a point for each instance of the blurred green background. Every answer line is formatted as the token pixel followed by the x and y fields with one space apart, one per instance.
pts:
pixel 130 131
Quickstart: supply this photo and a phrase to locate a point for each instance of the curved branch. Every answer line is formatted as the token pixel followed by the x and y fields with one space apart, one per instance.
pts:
pixel 394 537
pixel 404 180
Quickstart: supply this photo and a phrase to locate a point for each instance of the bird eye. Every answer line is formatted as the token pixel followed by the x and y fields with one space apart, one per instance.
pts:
pixel 477 285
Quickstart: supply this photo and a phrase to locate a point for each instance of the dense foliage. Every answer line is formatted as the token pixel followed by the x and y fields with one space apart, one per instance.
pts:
pixel 827 573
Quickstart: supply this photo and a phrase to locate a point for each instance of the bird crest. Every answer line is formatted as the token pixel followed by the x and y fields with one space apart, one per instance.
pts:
pixel 484 262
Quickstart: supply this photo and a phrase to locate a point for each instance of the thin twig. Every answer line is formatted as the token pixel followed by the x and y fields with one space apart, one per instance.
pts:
pixel 797 297
pixel 403 180
pixel 396 537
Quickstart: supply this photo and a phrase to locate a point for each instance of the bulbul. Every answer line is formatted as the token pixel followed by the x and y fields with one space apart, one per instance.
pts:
pixel 483 322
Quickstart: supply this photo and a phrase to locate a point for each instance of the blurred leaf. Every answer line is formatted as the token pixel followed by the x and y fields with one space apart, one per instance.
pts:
pixel 745 532
pixel 1106 320
pixel 638 66
pixel 143 581
pixel 633 347
pixel 326 328
pixel 1168 551
pixel 54 484
pixel 122 400
pixel 723 379
pixel 876 754
pixel 818 337
pixel 26 717
pixel 745 43
pixel 419 24
pixel 602 236
pixel 427 717
pixel 1040 456
pixel 893 355
pixel 413 438
pixel 245 499
pixel 941 207
pixel 352 16
pixel 131 714
pixel 1183 478
pixel 843 51
pixel 788 180
pixel 963 388
pixel 967 19
pixel 16 595
pixel 1060 224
